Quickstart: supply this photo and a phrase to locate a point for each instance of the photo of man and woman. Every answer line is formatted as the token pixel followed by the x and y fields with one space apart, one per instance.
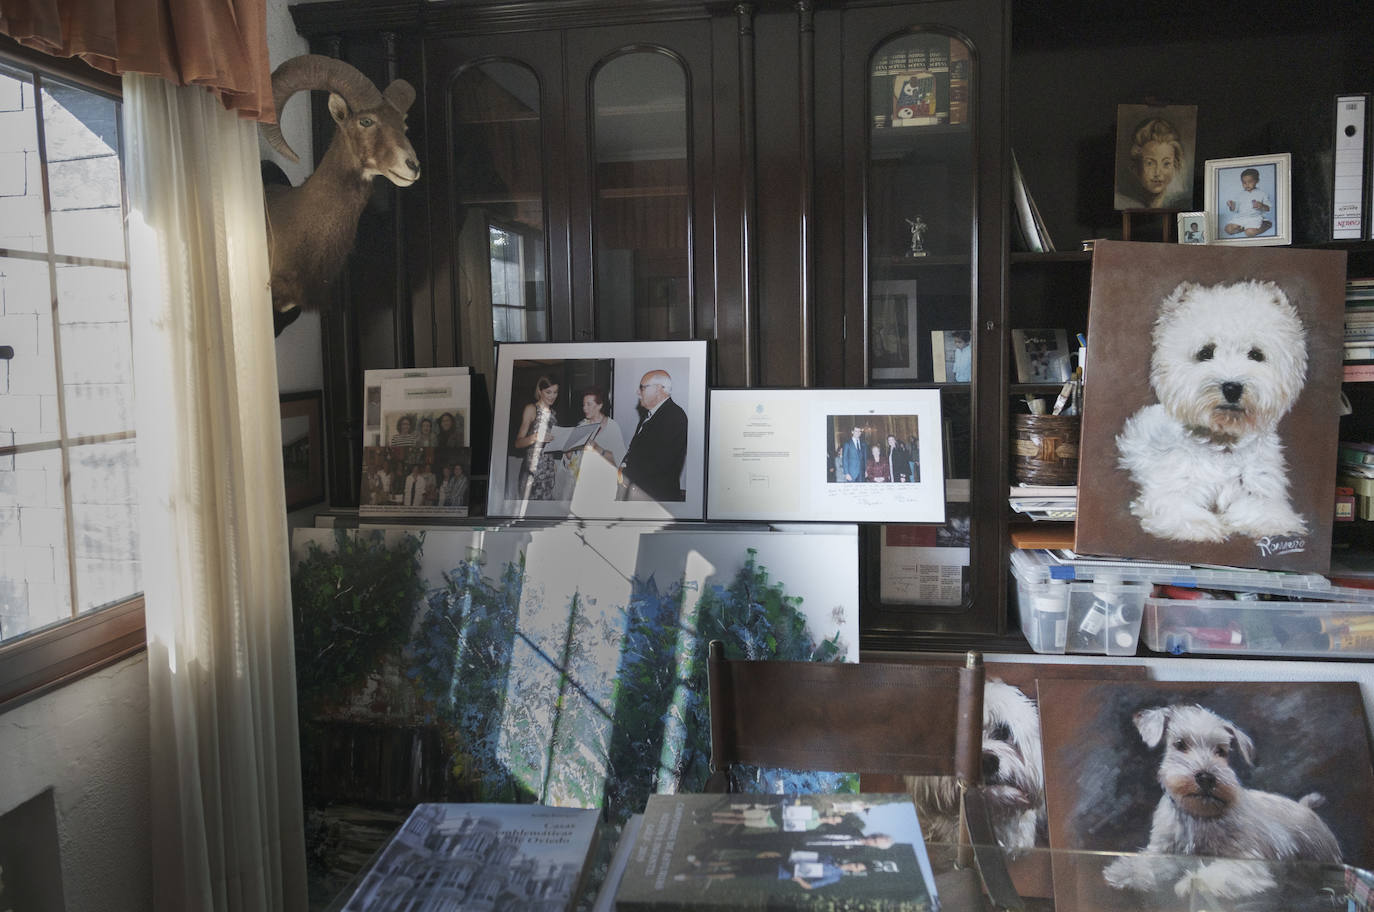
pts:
pixel 873 449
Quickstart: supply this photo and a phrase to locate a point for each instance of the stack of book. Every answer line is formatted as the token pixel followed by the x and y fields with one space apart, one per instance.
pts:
pixel 1037 502
pixel 1359 329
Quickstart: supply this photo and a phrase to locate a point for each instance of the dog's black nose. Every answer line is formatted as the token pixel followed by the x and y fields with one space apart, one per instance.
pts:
pixel 1205 780
pixel 1232 390
pixel 990 765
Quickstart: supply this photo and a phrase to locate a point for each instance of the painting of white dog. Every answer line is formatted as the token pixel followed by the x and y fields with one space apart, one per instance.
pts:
pixel 1209 422
pixel 1218 792
pixel 1228 362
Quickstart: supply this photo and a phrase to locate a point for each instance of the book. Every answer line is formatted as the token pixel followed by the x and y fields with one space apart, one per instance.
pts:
pixel 466 856
pixel 605 897
pixel 1355 453
pixel 835 851
pixel 1025 218
pixel 1357 373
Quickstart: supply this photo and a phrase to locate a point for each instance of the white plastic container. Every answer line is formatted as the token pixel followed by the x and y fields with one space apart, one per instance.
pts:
pixel 1098 617
pixel 1231 627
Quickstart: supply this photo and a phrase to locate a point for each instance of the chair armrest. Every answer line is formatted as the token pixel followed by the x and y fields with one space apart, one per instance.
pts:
pixel 988 855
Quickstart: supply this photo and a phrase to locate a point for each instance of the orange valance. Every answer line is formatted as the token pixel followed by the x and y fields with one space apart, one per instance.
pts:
pixel 219 44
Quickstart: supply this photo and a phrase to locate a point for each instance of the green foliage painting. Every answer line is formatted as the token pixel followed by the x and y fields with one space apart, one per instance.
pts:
pixel 353 605
pixel 547 694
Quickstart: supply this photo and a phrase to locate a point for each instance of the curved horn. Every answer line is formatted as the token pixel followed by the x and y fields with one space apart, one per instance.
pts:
pixel 315 71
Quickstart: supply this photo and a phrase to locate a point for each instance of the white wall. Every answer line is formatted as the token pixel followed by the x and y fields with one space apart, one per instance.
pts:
pixel 89 742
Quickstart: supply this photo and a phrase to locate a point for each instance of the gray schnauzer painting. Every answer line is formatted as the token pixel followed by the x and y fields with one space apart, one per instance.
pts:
pixel 1238 795
pixel 1207 433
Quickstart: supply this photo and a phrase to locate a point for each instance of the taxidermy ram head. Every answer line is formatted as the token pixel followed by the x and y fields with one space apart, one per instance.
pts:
pixel 310 228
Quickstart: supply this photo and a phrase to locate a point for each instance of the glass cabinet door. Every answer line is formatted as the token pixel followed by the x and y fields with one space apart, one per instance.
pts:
pixel 641 197
pixel 499 206
pixel 920 215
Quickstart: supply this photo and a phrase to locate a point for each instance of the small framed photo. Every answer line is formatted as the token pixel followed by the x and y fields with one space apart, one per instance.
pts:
pixel 302 448
pixel 1042 355
pixel 1249 200
pixel 951 355
pixel 599 430
pixel 1192 227
pixel 892 345
pixel 837 455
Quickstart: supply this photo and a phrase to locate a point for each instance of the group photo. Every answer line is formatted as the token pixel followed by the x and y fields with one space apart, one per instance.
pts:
pixel 873 449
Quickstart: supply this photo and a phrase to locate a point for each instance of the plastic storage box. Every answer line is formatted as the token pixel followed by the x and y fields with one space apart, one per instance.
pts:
pixel 1328 629
pixel 1099 616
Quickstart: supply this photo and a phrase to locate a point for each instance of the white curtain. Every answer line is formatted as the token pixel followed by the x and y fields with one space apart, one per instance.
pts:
pixel 226 815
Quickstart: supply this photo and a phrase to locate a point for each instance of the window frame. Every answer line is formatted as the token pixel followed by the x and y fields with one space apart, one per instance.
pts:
pixel 50 657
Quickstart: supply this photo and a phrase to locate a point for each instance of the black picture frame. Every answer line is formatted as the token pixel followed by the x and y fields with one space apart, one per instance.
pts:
pixel 302 448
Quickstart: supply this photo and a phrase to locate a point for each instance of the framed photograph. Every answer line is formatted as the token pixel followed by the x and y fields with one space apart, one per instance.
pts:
pixel 1042 355
pixel 1154 156
pixel 850 455
pixel 1192 227
pixel 1147 781
pixel 417 450
pixel 1207 429
pixel 1249 200
pixel 302 448
pixel 892 330
pixel 599 430
pixel 951 355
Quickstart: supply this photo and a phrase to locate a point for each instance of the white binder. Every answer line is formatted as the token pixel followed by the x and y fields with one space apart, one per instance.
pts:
pixel 1348 189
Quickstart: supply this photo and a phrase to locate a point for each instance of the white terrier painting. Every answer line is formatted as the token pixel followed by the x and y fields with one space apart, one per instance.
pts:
pixel 1212 381
pixel 1228 362
pixel 1222 795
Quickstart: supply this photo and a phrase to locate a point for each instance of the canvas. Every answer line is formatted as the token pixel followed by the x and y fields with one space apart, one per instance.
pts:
pixel 1013 769
pixel 1273 770
pixel 1210 392
pixel 567 665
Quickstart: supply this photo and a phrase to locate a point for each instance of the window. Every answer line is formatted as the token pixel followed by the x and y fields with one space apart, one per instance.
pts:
pixel 69 567
pixel 518 312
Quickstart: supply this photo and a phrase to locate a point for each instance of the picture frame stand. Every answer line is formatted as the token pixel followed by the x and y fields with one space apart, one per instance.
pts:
pixel 1166 222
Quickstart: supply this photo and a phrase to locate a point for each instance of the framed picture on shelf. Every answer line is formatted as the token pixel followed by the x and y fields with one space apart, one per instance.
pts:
pixel 1192 227
pixel 599 430
pixel 951 355
pixel 841 455
pixel 417 450
pixel 1249 200
pixel 1154 156
pixel 1042 355
pixel 892 330
pixel 302 448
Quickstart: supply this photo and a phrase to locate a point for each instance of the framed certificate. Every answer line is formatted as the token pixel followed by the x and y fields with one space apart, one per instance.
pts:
pixel 842 455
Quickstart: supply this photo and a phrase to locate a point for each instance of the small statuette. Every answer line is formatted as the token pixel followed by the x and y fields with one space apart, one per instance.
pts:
pixel 918 236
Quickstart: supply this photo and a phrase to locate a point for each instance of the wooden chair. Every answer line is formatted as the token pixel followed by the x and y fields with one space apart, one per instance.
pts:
pixel 864 717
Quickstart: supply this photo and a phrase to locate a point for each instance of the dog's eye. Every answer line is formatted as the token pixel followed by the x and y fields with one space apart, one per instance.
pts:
pixel 1001 732
pixel 1180 745
pixel 1221 750
pixel 1205 353
pixel 1255 355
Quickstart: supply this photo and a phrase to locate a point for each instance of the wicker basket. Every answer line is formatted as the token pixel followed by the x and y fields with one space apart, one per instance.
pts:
pixel 1045 450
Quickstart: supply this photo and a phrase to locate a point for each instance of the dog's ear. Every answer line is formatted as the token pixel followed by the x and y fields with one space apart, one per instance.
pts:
pixel 1175 298
pixel 1150 723
pixel 1243 744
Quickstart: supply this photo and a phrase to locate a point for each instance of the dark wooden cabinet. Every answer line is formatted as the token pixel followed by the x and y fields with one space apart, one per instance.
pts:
pixel 612 169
